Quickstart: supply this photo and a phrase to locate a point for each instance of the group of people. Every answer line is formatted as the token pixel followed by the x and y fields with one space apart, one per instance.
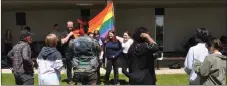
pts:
pixel 85 53
pixel 206 60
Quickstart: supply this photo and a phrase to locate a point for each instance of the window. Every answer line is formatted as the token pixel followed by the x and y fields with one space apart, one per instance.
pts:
pixel 159 26
pixel 85 13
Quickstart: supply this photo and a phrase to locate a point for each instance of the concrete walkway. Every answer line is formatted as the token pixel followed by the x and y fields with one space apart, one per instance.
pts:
pixel 161 71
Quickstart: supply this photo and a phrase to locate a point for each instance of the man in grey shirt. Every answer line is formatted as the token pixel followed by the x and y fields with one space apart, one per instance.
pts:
pixel 21 59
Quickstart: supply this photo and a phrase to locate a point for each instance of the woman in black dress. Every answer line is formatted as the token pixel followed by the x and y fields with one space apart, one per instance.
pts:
pixel 142 59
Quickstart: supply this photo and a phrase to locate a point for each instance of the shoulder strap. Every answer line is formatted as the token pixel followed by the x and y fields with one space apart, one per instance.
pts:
pixel 214 80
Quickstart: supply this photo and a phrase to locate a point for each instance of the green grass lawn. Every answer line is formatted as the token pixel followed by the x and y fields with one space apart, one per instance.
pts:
pixel 176 79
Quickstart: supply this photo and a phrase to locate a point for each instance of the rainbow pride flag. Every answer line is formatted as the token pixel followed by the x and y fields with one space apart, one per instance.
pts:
pixel 104 21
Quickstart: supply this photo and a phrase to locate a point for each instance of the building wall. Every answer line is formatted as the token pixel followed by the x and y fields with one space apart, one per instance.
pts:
pixel 130 19
pixel 41 22
pixel 179 24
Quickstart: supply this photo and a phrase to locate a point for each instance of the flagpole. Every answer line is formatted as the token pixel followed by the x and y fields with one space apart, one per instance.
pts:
pixel 107 2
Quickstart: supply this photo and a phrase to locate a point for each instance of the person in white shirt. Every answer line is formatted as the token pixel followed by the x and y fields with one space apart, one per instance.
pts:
pixel 198 52
pixel 126 42
pixel 49 62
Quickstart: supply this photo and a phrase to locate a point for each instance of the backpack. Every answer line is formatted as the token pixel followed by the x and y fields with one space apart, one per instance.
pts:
pixel 85 54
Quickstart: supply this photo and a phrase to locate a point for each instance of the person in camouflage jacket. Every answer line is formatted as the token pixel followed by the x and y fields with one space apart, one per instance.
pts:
pixel 85 52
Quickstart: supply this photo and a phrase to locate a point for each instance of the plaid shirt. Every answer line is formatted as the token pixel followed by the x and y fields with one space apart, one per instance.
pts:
pixel 21 57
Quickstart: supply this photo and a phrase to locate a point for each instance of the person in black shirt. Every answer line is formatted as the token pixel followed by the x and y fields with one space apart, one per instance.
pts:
pixel 66 37
pixel 223 40
pixel 142 59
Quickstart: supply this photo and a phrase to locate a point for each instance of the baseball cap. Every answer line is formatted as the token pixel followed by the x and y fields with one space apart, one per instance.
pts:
pixel 25 33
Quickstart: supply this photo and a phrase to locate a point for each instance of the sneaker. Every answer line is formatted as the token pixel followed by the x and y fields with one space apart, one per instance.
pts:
pixel 70 83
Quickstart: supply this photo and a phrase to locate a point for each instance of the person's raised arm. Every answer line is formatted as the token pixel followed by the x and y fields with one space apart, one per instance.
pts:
pixel 151 46
pixel 149 39
pixel 120 39
pixel 66 38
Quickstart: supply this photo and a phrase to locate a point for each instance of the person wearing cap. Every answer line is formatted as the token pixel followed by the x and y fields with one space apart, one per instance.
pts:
pixel 21 59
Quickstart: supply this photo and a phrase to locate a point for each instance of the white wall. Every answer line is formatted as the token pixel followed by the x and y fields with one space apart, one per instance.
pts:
pixel 180 23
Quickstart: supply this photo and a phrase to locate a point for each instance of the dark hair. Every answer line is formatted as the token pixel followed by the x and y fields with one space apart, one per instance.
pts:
pixel 223 40
pixel 55 25
pixel 27 28
pixel 138 32
pixel 129 34
pixel 215 43
pixel 96 32
pixel 108 38
pixel 85 25
pixel 202 35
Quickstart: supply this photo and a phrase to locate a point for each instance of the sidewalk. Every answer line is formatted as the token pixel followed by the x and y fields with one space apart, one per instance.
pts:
pixel 161 71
